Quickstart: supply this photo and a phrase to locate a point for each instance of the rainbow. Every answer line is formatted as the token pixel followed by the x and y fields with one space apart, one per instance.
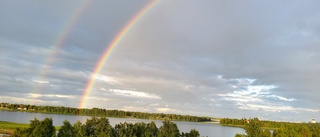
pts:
pixel 59 42
pixel 110 47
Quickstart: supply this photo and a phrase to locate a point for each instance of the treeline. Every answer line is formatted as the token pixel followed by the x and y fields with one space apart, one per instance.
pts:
pixel 256 128
pixel 100 127
pixel 101 112
pixel 235 122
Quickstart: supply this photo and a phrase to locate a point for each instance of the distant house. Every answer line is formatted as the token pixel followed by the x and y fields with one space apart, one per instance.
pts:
pixel 313 120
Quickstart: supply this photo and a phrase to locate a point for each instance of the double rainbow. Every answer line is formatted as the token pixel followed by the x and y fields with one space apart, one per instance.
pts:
pixel 60 40
pixel 109 49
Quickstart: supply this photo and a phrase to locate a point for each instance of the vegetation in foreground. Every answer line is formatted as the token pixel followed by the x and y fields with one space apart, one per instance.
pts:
pixel 256 128
pixel 100 112
pixel 100 127
pixel 9 127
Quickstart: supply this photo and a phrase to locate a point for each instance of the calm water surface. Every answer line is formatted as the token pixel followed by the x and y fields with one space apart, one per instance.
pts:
pixel 210 130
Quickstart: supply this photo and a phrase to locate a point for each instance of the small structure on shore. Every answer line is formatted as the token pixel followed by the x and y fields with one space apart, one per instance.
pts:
pixel 313 120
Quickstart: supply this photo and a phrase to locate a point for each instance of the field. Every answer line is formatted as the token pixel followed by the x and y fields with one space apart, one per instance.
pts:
pixel 9 127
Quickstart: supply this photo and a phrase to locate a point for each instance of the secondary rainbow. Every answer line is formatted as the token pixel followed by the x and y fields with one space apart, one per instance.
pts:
pixel 59 42
pixel 109 49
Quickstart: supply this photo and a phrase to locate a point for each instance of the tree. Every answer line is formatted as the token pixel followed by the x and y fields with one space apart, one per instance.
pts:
pixel 38 128
pixel 66 130
pixel 192 133
pixel 152 130
pixel 99 127
pixel 45 128
pixel 79 129
pixel 168 129
pixel 240 135
pixel 253 129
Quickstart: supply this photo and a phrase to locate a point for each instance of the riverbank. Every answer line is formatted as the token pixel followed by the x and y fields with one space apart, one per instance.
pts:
pixel 242 126
pixel 99 112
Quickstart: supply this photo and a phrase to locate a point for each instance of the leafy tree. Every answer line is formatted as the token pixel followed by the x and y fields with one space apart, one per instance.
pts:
pixel 38 128
pixel 168 129
pixel 66 130
pixel 21 132
pixel 79 129
pixel 253 128
pixel 151 130
pixel 240 135
pixel 193 133
pixel 100 127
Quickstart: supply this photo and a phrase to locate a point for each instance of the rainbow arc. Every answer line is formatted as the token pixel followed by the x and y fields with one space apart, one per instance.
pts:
pixel 110 47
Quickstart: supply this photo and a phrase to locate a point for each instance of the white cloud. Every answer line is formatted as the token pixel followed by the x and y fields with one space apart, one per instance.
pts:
pixel 41 81
pixel 274 108
pixel 167 110
pixel 20 80
pixel 135 108
pixel 52 85
pixel 97 98
pixel 24 100
pixel 258 97
pixel 281 98
pixel 36 95
pixel 107 79
pixel 239 97
pixel 136 94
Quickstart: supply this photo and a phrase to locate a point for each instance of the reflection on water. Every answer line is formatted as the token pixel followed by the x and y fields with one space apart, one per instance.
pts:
pixel 210 130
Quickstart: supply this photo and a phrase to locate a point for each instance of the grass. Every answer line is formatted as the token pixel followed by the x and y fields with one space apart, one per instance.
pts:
pixel 10 127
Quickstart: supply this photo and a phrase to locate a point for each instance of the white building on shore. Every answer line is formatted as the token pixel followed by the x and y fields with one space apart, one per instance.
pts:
pixel 313 120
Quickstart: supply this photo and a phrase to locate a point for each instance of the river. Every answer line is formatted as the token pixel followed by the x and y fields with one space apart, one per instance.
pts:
pixel 205 129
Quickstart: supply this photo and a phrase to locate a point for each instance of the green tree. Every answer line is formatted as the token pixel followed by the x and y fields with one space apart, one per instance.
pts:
pixel 79 129
pixel 45 129
pixel 240 135
pixel 253 128
pixel 66 130
pixel 99 127
pixel 168 129
pixel 38 128
pixel 152 130
pixel 192 133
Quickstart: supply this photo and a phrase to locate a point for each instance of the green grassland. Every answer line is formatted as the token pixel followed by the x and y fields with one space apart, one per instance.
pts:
pixel 10 127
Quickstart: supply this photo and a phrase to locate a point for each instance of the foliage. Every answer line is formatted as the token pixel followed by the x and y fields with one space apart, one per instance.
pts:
pixel 100 127
pixel 168 129
pixel 37 129
pixel 193 133
pixel 66 130
pixel 255 127
pixel 100 112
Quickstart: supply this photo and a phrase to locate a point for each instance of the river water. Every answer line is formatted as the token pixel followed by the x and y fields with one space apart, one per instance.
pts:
pixel 205 129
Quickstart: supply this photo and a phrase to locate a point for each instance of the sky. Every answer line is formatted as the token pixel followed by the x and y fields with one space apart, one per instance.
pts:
pixel 207 58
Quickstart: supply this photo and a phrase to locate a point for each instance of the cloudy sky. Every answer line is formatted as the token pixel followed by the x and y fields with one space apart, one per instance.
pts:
pixel 208 58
